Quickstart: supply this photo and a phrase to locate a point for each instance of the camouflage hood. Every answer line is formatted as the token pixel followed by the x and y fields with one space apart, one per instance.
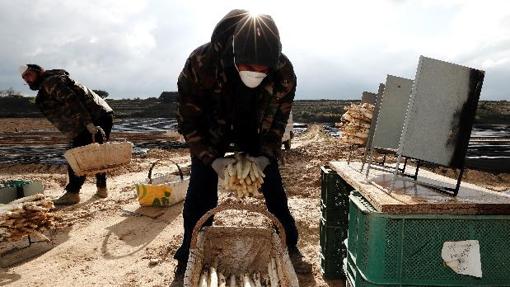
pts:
pixel 221 39
pixel 55 72
pixel 257 40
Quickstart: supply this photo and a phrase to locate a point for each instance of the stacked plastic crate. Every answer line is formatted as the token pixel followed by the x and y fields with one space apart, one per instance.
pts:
pixel 333 223
pixel 405 249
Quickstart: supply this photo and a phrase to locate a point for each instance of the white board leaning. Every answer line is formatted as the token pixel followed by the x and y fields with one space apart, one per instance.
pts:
pixel 441 112
pixel 392 112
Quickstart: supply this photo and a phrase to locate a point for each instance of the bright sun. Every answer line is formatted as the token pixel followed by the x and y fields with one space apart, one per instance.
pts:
pixel 254 13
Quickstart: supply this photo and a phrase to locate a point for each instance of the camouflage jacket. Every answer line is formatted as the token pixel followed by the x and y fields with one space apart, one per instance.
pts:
pixel 203 90
pixel 67 104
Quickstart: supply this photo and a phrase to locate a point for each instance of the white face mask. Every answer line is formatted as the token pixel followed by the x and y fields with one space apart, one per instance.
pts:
pixel 252 79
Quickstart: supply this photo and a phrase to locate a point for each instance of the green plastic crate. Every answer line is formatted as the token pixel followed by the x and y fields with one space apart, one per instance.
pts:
pixel 334 222
pixel 334 198
pixel 332 268
pixel 335 216
pixel 334 190
pixel 333 250
pixel 332 240
pixel 406 249
pixel 355 279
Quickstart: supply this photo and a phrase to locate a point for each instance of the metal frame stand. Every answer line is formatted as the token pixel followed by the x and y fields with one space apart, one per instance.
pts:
pixel 403 170
pixel 440 188
pixel 445 189
pixel 384 161
pixel 373 126
pixel 349 157
pixel 400 170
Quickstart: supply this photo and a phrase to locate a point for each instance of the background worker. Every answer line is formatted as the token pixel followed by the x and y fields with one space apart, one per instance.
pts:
pixel 77 112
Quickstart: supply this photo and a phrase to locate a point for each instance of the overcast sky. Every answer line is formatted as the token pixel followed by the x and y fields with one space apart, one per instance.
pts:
pixel 136 48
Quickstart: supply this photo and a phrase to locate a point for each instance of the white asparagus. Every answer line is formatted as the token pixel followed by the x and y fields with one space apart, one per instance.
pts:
pixel 259 171
pixel 256 280
pixel 278 267
pixel 246 280
pixel 203 279
pixel 232 282
pixel 243 177
pixel 246 168
pixel 239 169
pixel 273 274
pixel 226 180
pixel 230 169
pixel 251 174
pixel 213 277
pixel 233 181
pixel 222 281
pixel 254 172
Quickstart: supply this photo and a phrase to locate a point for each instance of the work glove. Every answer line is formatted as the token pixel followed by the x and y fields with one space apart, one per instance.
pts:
pixel 92 129
pixel 261 161
pixel 220 164
pixel 95 131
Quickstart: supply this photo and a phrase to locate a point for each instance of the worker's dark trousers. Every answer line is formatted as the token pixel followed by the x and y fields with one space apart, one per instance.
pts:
pixel 203 195
pixel 84 138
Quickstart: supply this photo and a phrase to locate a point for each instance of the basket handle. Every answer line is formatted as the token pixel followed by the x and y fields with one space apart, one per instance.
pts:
pixel 239 206
pixel 181 174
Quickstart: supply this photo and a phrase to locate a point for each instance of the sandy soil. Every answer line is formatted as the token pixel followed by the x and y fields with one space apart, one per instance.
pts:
pixel 99 243
pixel 25 124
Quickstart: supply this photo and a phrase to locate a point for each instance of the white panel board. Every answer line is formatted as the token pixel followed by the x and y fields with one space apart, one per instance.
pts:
pixel 441 114
pixel 392 112
pixel 368 97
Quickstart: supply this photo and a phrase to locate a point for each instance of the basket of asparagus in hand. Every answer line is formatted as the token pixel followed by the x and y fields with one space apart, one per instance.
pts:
pixel 222 256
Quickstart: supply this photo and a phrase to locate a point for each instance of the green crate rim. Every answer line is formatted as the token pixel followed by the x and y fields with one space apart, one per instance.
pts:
pixel 360 203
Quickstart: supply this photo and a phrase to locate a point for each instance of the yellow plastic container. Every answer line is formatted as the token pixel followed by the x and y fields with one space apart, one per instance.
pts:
pixel 163 191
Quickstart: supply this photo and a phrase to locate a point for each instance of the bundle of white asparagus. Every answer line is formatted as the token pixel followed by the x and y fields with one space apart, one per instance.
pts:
pixel 26 216
pixel 243 177
pixel 210 277
pixel 356 123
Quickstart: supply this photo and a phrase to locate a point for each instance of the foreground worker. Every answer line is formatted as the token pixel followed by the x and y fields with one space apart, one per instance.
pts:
pixel 236 90
pixel 78 112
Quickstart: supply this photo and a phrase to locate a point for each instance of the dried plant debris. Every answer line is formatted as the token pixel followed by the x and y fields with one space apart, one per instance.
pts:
pixel 356 123
pixel 26 216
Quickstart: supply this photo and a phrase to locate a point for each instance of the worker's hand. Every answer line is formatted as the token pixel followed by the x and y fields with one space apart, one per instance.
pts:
pixel 220 164
pixel 261 161
pixel 92 129
pixel 97 133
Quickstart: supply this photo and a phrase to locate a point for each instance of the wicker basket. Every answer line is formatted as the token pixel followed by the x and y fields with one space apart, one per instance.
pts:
pixel 162 191
pixel 95 158
pixel 239 250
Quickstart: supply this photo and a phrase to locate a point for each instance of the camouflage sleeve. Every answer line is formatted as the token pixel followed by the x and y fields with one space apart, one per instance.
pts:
pixel 285 91
pixel 57 87
pixel 190 112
